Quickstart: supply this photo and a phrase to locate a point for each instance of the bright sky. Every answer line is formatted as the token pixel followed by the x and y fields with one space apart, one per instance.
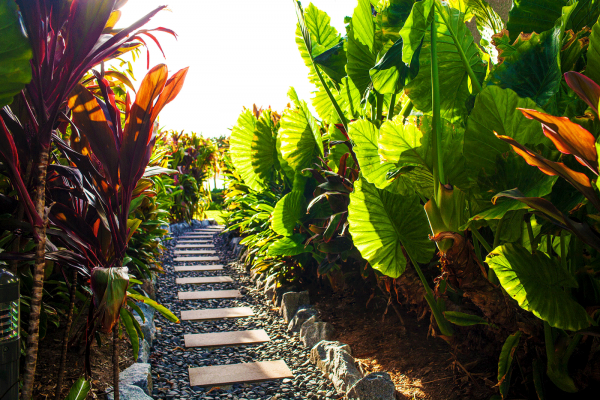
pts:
pixel 240 52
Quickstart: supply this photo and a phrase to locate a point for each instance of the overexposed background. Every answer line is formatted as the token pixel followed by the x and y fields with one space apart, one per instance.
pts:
pixel 240 52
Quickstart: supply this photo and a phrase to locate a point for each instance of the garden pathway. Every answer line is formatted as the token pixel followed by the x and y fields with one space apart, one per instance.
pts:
pixel 219 375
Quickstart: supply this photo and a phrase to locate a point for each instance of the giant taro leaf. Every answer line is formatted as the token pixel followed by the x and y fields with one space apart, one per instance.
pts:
pixel 15 70
pixel 495 110
pixel 392 18
pixel 252 149
pixel 415 28
pixel 333 62
pixel 360 62
pixel 529 16
pixel 453 76
pixel 287 211
pixel 390 73
pixel 539 284
pixel 362 24
pixel 300 135
pixel 585 14
pixel 289 246
pixel 383 223
pixel 531 69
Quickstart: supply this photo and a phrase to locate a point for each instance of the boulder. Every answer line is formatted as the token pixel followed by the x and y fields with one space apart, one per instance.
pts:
pixel 375 386
pixel 238 250
pixel 301 316
pixel 313 331
pixel 212 221
pixel 129 392
pixel 144 353
pixel 234 242
pixel 138 374
pixel 290 303
pixel 205 223
pixel 334 359
pixel 147 325
pixel 270 290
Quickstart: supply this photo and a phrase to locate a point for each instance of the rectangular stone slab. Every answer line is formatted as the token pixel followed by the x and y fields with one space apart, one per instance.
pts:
pixel 219 375
pixel 185 268
pixel 234 338
pixel 203 237
pixel 216 313
pixel 207 230
pixel 194 234
pixel 194 246
pixel 195 259
pixel 194 242
pixel 203 280
pixel 190 252
pixel 209 294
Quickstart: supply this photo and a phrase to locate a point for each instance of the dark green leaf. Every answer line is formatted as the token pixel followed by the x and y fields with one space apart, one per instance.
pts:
pixel 79 390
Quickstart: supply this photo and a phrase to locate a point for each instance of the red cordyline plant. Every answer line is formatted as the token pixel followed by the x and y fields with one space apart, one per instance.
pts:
pixel 68 38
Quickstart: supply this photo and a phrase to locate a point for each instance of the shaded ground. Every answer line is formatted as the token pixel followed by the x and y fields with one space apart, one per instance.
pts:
pixel 422 367
pixel 101 359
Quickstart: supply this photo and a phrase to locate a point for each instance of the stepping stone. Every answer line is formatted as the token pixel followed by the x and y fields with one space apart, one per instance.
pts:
pixel 220 375
pixel 205 238
pixel 195 259
pixel 234 338
pixel 193 246
pixel 203 280
pixel 207 230
pixel 194 242
pixel 216 313
pixel 185 268
pixel 209 294
pixel 194 234
pixel 178 252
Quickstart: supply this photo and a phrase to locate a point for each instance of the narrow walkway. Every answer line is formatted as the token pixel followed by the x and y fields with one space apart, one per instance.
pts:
pixel 229 345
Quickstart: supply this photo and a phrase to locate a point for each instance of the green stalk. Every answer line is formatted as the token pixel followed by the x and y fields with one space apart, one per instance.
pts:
pixel 570 349
pixel 406 109
pixel 391 108
pixel 484 243
pixel 374 112
pixel 338 110
pixel 530 233
pixel 477 250
pixel 491 274
pixel 443 324
pixel 474 82
pixel 379 98
pixel 549 341
pixel 438 166
pixel 563 250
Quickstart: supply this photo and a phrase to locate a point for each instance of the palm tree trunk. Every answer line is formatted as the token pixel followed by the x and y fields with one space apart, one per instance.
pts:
pixel 115 361
pixel 38 275
pixel 63 356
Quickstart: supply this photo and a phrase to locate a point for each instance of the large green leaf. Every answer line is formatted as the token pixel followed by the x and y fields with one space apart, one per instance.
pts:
pixel 489 22
pixel 390 73
pixel 300 135
pixel 532 68
pixel 539 284
pixel 252 149
pixel 505 361
pixel 398 142
pixel 360 62
pixel 586 13
pixel 391 19
pixel 495 110
pixel 333 62
pixel 592 69
pixel 15 70
pixel 453 76
pixel 288 210
pixel 383 223
pixel 289 246
pixel 362 24
pixel 529 16
pixel 415 27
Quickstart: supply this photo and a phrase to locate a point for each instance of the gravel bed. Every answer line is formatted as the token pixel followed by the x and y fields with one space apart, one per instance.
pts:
pixel 170 359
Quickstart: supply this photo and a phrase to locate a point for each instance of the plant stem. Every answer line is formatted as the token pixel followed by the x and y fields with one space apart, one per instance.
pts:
pixel 38 275
pixel 443 324
pixel 438 166
pixel 391 107
pixel 406 109
pixel 474 82
pixel 338 110
pixel 483 242
pixel 549 341
pixel 491 274
pixel 115 360
pixel 379 98
pixel 532 242
pixel 63 355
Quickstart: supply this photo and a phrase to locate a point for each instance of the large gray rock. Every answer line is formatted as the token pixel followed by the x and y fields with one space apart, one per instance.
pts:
pixel 290 303
pixel 212 221
pixel 205 223
pixel 234 242
pixel 280 292
pixel 144 353
pixel 301 316
pixel 313 331
pixel 335 360
pixel 238 250
pixel 129 392
pixel 375 386
pixel 138 374
pixel 147 325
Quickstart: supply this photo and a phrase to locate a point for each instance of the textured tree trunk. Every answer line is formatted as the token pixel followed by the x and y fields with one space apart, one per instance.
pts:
pixel 115 361
pixel 38 275
pixel 63 356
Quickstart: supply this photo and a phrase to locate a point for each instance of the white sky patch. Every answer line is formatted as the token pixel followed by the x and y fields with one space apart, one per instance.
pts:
pixel 240 52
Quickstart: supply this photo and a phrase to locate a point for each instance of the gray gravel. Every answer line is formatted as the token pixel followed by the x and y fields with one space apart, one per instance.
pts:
pixel 170 359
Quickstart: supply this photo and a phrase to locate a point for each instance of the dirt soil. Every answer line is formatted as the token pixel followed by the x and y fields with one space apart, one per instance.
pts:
pixel 101 359
pixel 421 366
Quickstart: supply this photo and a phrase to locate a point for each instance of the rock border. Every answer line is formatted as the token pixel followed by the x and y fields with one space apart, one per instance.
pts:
pixel 135 382
pixel 333 358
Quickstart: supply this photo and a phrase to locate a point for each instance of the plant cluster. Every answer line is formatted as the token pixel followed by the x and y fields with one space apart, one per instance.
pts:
pixel 479 159
pixel 80 203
